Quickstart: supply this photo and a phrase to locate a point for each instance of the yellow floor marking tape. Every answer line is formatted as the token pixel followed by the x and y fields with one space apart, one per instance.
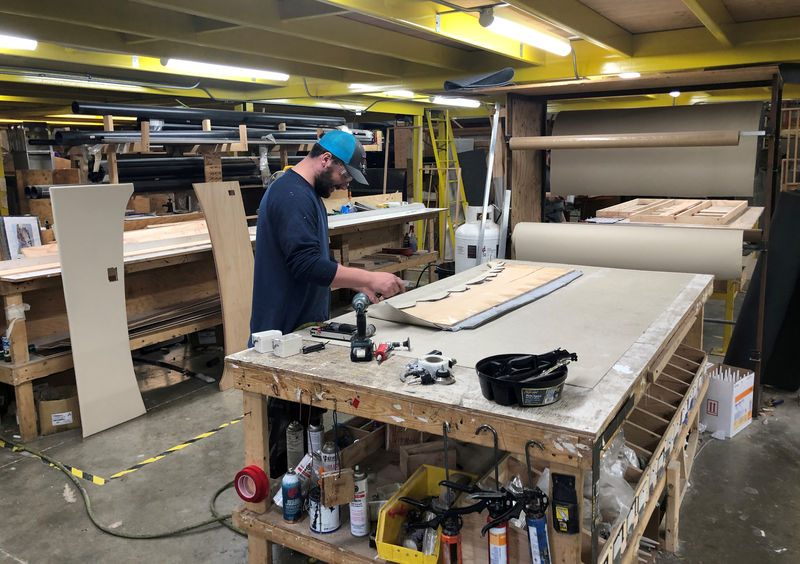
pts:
pixel 97 480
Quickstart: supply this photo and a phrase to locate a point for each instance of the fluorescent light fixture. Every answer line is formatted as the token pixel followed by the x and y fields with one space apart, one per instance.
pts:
pixel 358 87
pixel 632 74
pixel 675 93
pixel 399 93
pixel 83 83
pixel 525 34
pixel 457 102
pixel 223 71
pixel 14 42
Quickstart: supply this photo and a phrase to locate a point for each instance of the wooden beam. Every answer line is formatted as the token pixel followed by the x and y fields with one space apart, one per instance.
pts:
pixel 580 20
pixel 715 17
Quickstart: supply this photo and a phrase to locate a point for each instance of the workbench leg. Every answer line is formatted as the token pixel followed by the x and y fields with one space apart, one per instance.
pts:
pixel 432 267
pixel 26 411
pixel 566 548
pixel 18 339
pixel 259 550
pixel 256 439
pixel 673 505
pixel 694 338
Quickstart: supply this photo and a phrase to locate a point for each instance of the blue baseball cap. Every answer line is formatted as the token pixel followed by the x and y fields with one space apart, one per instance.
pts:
pixel 345 147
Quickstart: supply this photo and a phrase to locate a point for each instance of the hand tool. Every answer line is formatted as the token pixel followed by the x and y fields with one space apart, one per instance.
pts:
pixel 339 331
pixel 313 348
pixel 361 346
pixel 383 350
pixel 433 368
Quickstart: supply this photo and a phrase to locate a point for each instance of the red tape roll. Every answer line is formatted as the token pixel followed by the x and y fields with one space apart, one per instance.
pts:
pixel 251 484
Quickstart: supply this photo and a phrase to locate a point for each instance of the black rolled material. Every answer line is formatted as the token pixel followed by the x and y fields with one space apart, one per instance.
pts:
pixel 197 115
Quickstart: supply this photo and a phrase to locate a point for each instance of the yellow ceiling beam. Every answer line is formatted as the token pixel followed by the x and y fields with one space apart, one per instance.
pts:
pixel 305 9
pixel 577 19
pixel 167 25
pixel 715 17
pixel 438 20
pixel 341 32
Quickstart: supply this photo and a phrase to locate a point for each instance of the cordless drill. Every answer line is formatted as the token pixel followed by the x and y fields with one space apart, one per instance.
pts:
pixel 361 347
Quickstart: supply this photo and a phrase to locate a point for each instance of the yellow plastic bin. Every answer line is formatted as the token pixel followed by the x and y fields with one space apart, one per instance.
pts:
pixel 423 483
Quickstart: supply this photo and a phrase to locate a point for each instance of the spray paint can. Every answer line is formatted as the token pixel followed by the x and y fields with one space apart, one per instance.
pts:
pixel 330 460
pixel 6 348
pixel 498 543
pixel 292 497
pixel 316 464
pixel 321 519
pixel 294 444
pixel 536 520
pixel 359 511
pixel 315 437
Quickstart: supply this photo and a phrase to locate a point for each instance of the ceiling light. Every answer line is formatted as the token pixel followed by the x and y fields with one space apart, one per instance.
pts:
pixel 632 74
pixel 223 71
pixel 399 93
pixel 524 34
pixel 83 83
pixel 675 93
pixel 457 102
pixel 21 43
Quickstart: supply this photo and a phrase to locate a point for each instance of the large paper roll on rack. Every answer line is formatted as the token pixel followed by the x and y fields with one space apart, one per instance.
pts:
pixel 662 171
pixel 637 247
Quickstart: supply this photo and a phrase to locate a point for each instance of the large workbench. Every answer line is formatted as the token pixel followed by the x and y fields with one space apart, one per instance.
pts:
pixel 631 331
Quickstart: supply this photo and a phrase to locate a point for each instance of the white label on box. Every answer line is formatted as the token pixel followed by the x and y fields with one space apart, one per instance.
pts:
pixel 644 495
pixel 64 418
pixel 653 478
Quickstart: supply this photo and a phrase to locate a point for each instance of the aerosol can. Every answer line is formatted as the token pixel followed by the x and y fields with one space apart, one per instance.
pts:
pixel 292 497
pixel 359 511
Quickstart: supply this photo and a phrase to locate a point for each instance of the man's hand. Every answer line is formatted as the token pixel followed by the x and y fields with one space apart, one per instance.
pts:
pixel 381 285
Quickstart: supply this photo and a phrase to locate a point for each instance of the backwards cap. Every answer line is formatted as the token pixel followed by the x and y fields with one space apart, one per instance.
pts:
pixel 345 147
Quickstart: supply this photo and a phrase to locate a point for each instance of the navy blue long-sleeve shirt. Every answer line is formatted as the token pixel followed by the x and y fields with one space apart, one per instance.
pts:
pixel 293 268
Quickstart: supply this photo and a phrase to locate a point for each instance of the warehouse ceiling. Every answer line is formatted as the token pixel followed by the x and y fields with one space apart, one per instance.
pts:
pixel 353 55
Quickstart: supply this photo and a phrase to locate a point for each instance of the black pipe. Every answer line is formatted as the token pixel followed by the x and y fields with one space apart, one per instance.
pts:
pixel 197 115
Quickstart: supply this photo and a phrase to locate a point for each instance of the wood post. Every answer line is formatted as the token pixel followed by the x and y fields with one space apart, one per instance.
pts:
pixel 256 439
pixel 26 411
pixel 111 152
pixel 673 505
pixel 525 117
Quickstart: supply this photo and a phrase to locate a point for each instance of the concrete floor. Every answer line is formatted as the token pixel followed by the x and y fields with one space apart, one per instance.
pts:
pixel 742 505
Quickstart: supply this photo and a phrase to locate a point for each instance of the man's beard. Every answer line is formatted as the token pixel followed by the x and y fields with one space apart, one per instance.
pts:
pixel 324 184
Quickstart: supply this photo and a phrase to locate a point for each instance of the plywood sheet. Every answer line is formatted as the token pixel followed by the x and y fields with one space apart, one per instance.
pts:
pixel 89 223
pixel 599 316
pixel 478 299
pixel 640 247
pixel 233 258
pixel 676 171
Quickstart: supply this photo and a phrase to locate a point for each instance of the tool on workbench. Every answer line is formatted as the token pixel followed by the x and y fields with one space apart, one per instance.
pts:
pixel 313 348
pixel 397 251
pixel 383 350
pixel 361 346
pixel 526 380
pixel 433 368
pixel 339 331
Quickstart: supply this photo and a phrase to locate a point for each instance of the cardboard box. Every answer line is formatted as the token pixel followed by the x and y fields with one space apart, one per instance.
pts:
pixel 728 406
pixel 60 413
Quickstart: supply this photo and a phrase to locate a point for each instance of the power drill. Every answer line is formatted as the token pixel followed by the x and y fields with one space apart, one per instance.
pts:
pixel 361 347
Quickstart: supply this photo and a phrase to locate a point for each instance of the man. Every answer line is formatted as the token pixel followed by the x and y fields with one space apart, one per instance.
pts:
pixel 293 269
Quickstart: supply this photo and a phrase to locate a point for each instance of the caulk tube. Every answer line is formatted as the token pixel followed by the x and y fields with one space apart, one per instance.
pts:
pixel 537 535
pixel 498 543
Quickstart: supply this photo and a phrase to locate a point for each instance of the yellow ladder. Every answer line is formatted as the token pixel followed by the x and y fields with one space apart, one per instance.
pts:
pixel 448 168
